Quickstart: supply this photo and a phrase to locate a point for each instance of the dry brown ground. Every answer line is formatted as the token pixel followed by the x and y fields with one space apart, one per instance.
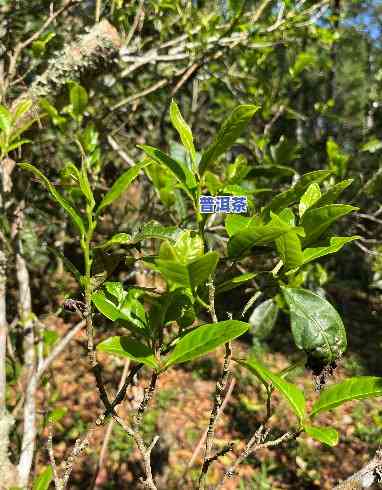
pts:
pixel 179 415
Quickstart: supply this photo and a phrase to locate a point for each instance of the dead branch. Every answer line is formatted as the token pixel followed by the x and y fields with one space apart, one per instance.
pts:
pixel 366 477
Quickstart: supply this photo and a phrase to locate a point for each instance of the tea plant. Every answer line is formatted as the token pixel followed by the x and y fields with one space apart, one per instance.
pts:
pixel 165 329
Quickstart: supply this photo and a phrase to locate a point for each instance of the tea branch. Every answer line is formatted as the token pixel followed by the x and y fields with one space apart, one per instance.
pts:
pixel 218 399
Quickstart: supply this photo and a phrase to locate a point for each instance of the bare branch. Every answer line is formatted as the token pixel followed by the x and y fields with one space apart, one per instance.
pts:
pixel 253 445
pixel 125 157
pixel 22 45
pixel 144 451
pixel 59 347
pixel 366 477
pixel 29 416
pixel 109 429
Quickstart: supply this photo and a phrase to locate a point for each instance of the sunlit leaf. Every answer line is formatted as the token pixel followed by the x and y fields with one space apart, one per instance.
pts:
pixel 231 129
pixel 203 340
pixel 356 388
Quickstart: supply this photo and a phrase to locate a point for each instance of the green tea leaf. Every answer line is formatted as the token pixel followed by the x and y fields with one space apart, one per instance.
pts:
pixel 316 326
pixel 85 184
pixel 235 223
pixel 257 234
pixel 263 318
pixel 183 129
pixel 5 119
pixel 332 194
pixel 335 244
pixel 56 196
pixel 189 275
pixel 21 109
pixel 356 388
pixel 234 282
pixel 128 347
pixel 289 248
pixel 203 340
pixel 327 435
pixel 106 306
pixel 271 171
pixel 231 129
pixel 78 98
pixel 316 221
pixel 19 143
pixel 372 146
pixel 293 395
pixel 180 170
pixel 292 195
pixel 120 185
pixel 117 239
pixel 43 480
pixel 310 196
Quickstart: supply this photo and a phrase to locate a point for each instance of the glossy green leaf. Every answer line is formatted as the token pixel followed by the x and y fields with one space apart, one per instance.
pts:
pixel 183 129
pixel 180 170
pixel 152 229
pixel 18 143
pixel 117 239
pixel 106 306
pixel 316 326
pixel 188 246
pixel 85 184
pixel 327 435
pixel 372 146
pixel 293 395
pixel 235 223
pixel 263 318
pixel 289 249
pixel 356 388
pixel 5 119
pixel 335 244
pixel 128 347
pixel 234 282
pixel 190 275
pixel 316 221
pixel 52 112
pixel 44 479
pixel 310 196
pixel 21 108
pixel 78 98
pixel 149 230
pixel 203 340
pixel 231 129
pixel 271 171
pixel 116 289
pixel 292 195
pixel 129 311
pixel 332 194
pixel 56 196
pixel 121 184
pixel 259 235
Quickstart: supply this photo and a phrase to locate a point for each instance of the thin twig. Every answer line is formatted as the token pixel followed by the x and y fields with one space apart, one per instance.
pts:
pixel 218 399
pixel 137 18
pixel 125 157
pixel 204 435
pixel 22 45
pixel 147 91
pixel 144 451
pixel 59 347
pixel 253 445
pixel 97 14
pixel 109 429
